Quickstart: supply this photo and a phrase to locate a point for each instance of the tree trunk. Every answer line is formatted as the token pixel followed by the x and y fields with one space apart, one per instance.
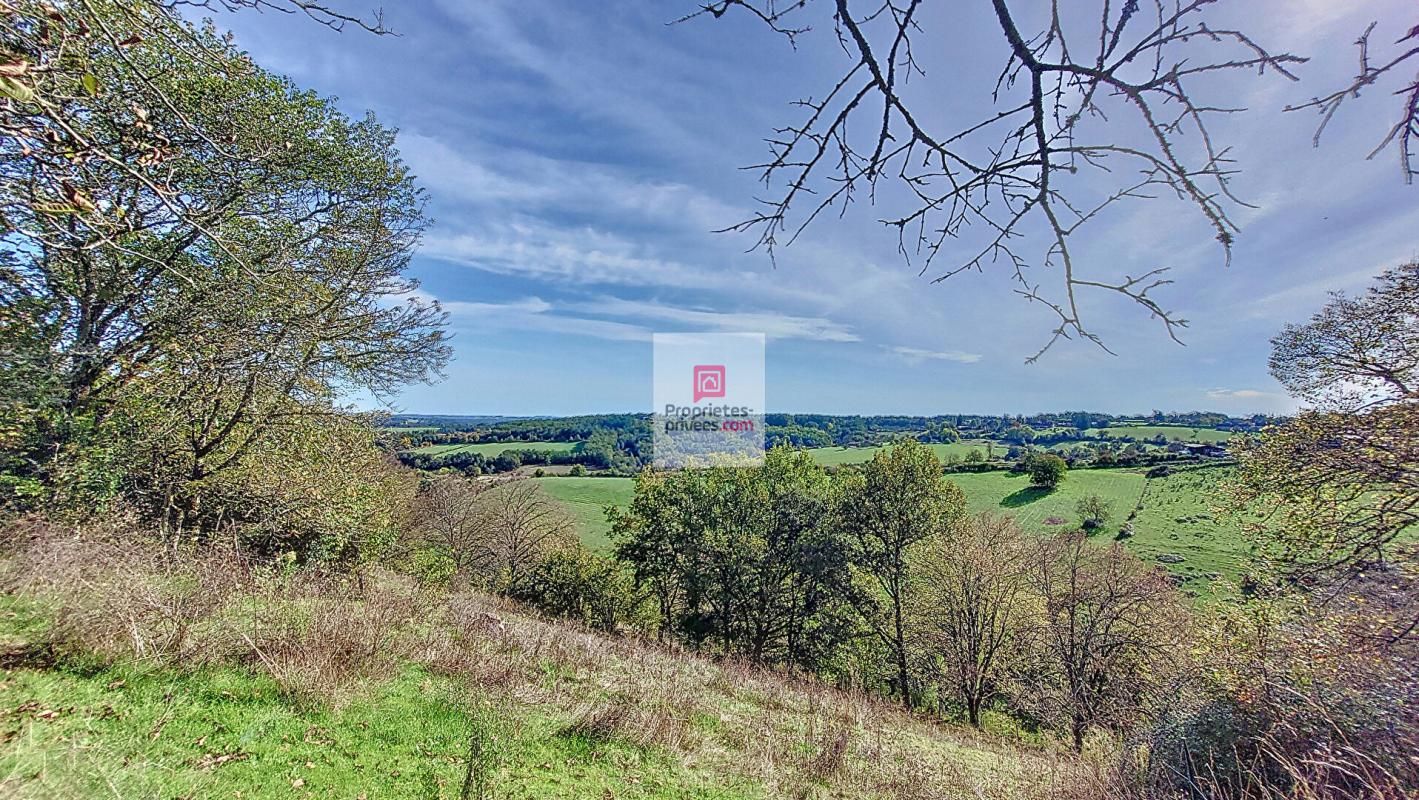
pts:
pixel 901 646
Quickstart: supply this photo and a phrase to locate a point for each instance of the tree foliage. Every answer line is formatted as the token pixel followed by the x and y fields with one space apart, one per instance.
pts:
pixel 200 261
pixel 1335 486
pixel 746 561
pixel 1093 510
pixel 1046 470
pixel 898 502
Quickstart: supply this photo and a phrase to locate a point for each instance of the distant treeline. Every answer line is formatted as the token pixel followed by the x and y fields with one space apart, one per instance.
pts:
pixel 622 442
pixel 819 430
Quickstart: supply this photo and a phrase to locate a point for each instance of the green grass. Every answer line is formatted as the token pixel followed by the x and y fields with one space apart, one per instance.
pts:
pixel 492 449
pixel 66 731
pixel 1181 514
pixel 1178 515
pixel 836 456
pixel 1008 493
pixel 1169 432
pixel 586 498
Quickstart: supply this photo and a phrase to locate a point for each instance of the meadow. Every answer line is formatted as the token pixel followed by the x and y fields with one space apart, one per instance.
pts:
pixel 1172 517
pixel 837 456
pixel 586 499
pixel 479 688
pixel 1177 517
pixel 493 449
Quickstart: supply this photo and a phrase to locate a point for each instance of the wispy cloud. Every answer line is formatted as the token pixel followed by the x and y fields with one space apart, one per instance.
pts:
pixel 573 256
pixel 535 315
pixel 624 320
pixel 511 181
pixel 1238 394
pixel 916 355
pixel 774 325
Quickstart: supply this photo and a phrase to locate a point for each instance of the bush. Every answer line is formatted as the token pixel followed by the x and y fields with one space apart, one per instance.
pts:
pixel 579 584
pixel 1094 511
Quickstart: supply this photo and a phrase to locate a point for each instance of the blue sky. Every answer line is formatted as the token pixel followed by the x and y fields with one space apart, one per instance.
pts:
pixel 578 155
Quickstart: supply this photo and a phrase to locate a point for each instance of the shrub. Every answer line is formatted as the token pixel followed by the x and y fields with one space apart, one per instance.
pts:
pixel 581 585
pixel 1094 511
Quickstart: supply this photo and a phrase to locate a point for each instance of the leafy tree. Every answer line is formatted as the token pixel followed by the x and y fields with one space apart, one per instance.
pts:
pixel 578 584
pixel 748 558
pixel 1356 352
pixel 1337 485
pixel 1046 469
pixel 1019 434
pixel 897 502
pixel 201 258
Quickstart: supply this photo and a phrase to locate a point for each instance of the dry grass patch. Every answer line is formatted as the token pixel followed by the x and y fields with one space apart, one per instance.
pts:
pixel 325 636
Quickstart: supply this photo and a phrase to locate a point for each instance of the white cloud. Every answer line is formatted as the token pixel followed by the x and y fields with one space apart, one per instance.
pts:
pixel 511 181
pixel 625 320
pixel 772 325
pixel 1238 394
pixel 533 314
pixel 583 256
pixel 915 355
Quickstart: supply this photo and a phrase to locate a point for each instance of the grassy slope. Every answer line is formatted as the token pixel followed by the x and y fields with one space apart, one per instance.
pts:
pixel 1178 515
pixel 587 498
pixel 491 449
pixel 122 731
pixel 1007 493
pixel 674 727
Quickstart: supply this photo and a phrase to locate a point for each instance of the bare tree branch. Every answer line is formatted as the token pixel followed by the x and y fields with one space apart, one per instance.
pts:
pixel 1404 134
pixel 1006 174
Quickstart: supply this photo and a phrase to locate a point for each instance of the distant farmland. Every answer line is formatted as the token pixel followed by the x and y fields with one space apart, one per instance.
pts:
pixel 1177 518
pixel 1170 432
pixel 835 456
pixel 491 449
pixel 586 499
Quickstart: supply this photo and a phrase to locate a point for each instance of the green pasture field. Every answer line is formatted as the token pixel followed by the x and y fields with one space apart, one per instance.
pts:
pixel 491 449
pixel 1178 517
pixel 586 499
